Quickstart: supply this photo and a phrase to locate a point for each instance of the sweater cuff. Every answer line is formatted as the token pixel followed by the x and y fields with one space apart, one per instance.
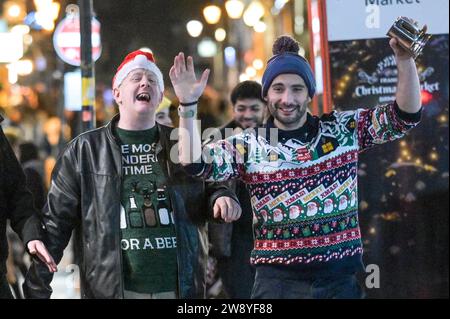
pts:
pixel 407 117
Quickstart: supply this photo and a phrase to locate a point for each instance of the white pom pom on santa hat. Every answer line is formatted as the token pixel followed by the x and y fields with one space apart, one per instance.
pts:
pixel 137 60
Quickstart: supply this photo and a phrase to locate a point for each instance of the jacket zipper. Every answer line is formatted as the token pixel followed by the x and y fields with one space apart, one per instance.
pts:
pixel 120 256
pixel 176 233
pixel 118 241
pixel 169 188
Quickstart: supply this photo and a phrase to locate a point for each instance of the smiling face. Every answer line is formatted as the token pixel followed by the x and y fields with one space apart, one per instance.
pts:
pixel 249 112
pixel 288 100
pixel 138 94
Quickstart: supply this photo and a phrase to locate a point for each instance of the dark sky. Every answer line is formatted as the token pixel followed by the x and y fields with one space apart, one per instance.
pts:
pixel 130 24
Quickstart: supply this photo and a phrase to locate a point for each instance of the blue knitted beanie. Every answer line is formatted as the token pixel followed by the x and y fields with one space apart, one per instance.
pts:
pixel 286 60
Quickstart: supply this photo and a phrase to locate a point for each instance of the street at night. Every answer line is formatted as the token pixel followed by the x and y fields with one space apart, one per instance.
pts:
pixel 232 149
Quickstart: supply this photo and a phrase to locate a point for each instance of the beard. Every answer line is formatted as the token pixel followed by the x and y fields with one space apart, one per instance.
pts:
pixel 296 112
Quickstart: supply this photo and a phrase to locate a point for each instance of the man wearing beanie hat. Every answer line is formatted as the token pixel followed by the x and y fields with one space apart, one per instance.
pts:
pixel 303 187
pixel 142 218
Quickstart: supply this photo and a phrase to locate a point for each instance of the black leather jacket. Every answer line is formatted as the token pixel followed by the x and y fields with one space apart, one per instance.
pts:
pixel 85 189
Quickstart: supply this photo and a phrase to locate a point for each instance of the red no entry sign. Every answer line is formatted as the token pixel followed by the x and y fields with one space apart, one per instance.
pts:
pixel 67 39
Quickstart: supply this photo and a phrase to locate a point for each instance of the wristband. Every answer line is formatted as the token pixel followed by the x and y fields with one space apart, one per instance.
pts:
pixel 186 114
pixel 189 104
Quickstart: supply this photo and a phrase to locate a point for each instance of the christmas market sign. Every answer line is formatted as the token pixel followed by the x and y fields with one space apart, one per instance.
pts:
pixel 67 40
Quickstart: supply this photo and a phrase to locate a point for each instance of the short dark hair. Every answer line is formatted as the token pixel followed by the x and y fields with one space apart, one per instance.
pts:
pixel 247 90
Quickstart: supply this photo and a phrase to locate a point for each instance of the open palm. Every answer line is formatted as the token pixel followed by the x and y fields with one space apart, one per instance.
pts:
pixel 184 81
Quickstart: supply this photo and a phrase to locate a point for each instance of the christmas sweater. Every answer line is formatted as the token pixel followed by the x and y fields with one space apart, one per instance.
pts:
pixel 303 187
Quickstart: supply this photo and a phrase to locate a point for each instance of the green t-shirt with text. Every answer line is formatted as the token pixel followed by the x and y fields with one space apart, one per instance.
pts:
pixel 146 220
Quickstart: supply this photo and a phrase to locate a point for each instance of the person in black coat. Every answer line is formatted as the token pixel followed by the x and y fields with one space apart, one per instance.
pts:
pixel 16 205
pixel 33 167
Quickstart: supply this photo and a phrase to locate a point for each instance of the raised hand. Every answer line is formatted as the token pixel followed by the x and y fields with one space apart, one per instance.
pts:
pixel 400 53
pixel 185 84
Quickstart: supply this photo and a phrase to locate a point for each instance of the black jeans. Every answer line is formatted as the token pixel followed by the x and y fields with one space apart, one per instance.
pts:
pixel 5 291
pixel 277 283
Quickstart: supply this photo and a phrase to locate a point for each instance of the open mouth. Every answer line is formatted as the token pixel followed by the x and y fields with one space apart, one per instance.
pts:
pixel 143 97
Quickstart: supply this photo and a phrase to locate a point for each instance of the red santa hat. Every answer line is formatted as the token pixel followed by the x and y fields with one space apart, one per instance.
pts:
pixel 137 60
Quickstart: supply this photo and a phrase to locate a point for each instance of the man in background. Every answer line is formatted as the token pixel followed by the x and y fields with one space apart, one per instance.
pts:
pixel 231 243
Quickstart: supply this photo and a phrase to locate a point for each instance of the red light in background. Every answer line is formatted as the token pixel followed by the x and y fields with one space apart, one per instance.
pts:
pixel 426 97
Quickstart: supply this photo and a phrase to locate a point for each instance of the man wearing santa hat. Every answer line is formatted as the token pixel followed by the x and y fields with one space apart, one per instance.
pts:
pixel 142 218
